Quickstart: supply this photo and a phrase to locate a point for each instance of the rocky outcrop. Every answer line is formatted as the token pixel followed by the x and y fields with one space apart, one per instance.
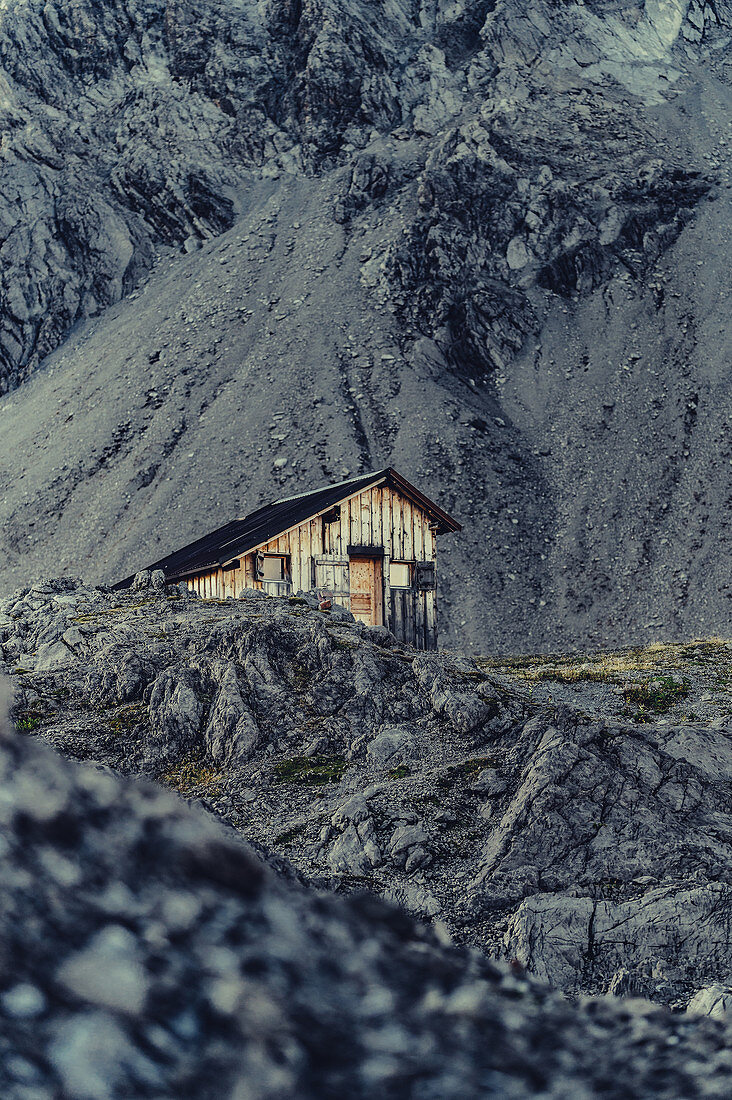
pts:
pixel 154 954
pixel 665 940
pixel 132 126
pixel 552 826
pixel 499 214
pixel 715 1000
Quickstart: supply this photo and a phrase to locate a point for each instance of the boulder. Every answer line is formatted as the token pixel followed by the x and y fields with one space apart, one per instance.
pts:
pixel 408 847
pixel 392 746
pixel 714 1000
pixel 356 850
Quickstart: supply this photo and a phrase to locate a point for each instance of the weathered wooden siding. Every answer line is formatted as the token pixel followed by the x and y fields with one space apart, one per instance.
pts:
pixel 318 556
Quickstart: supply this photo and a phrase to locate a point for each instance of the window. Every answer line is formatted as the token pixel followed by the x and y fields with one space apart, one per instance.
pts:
pixel 274 568
pixel 400 574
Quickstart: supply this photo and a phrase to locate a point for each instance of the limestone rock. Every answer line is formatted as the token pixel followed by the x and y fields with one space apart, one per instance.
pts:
pixel 392 746
pixel 356 850
pixel 715 1000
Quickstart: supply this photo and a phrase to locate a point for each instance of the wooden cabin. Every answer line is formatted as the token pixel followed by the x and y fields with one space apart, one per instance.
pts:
pixel 369 544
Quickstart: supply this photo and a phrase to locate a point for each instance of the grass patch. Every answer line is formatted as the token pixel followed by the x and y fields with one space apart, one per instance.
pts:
pixel 127 718
pixel 28 720
pixel 340 643
pixel 478 764
pixel 120 607
pixel 191 774
pixel 399 773
pixel 311 770
pixel 302 676
pixel 575 675
pixel 656 696
pixel 427 800
pixel 611 667
pixel 468 768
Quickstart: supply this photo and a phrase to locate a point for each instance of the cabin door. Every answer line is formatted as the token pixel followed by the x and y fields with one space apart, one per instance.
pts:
pixel 366 580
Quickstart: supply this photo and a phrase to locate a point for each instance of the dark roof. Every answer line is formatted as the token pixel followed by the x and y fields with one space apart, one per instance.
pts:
pixel 242 535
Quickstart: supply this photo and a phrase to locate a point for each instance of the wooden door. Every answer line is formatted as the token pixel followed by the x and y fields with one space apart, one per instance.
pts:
pixel 366 586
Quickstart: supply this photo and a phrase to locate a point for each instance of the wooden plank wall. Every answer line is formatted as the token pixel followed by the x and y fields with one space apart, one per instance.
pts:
pixel 375 517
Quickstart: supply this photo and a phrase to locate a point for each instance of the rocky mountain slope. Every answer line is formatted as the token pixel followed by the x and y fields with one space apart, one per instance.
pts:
pixel 150 953
pixel 486 242
pixel 570 817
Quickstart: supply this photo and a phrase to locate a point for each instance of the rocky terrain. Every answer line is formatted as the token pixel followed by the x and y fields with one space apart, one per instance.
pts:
pixel 485 242
pixel 149 952
pixel 568 816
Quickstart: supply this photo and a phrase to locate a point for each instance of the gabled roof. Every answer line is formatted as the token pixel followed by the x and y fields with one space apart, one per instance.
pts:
pixel 240 536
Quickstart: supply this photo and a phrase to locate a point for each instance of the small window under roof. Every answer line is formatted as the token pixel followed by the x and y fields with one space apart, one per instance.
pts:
pixel 274 567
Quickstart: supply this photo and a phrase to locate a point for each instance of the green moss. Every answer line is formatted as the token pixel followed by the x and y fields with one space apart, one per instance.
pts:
pixel 28 720
pixel 399 773
pixel 310 770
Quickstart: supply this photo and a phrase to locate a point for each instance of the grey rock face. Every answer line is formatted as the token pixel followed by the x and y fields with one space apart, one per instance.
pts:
pixel 145 138
pixel 356 850
pixel 715 1000
pixel 559 938
pixel 392 746
pixel 176 711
